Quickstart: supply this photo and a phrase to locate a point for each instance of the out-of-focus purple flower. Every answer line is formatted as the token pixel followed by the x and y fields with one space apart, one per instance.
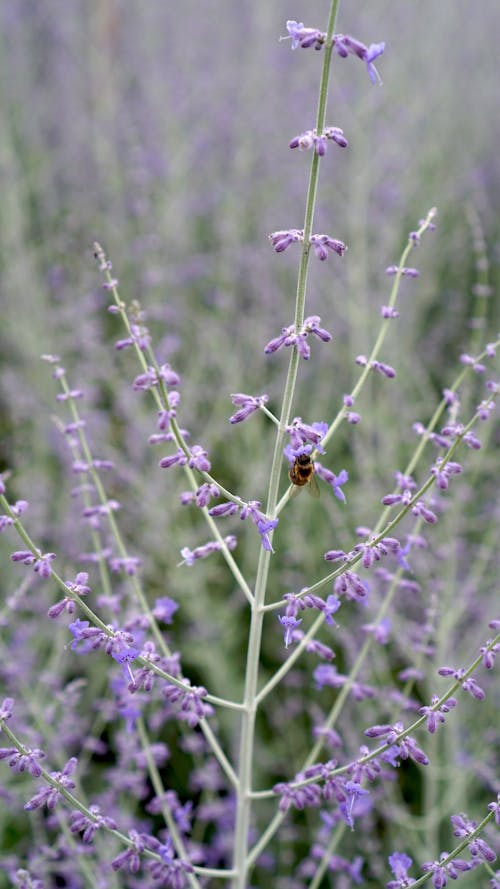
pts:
pixel 332 605
pixel 495 807
pixel 18 508
pixel 392 270
pixel 178 459
pixel 399 864
pixel 380 632
pixel 489 653
pixel 127 564
pixel 72 395
pixel 247 405
pixel 164 609
pixel 384 369
pixel 6 708
pixel 189 557
pixel 289 623
pixel 389 312
pixel 335 555
pixel 224 509
pixel 146 380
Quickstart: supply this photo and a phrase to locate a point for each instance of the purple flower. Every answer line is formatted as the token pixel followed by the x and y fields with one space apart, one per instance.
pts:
pixel 304 434
pixel 350 585
pixel 192 706
pixel 18 508
pixel 189 557
pixel 380 632
pixel 146 380
pixel 41 563
pixel 392 270
pixel 320 244
pixel 344 45
pixel 441 871
pixel 6 708
pixel 126 655
pixel 289 623
pixel 435 717
pixel 282 239
pixel 384 369
pixel 247 405
pixel 470 685
pixel 336 481
pixel 332 605
pixel 304 37
pixel 178 459
pixel 88 826
pixel 165 609
pixel 198 459
pixel 23 762
pixel 128 564
pixel 202 496
pixel 50 796
pixel 264 527
pixel 420 509
pixel 310 138
pixel 131 857
pixel 399 864
pixel 299 797
pixel 292 337
pixel 443 474
pixel 354 792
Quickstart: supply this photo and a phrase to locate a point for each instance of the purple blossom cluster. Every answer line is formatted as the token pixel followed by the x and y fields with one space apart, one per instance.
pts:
pixel 342 43
pixel 291 337
pixel 321 244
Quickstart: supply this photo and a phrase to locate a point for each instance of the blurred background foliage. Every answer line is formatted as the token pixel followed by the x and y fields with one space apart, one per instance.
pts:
pixel 162 131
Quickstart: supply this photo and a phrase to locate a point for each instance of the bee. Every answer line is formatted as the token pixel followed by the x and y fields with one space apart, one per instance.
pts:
pixel 302 474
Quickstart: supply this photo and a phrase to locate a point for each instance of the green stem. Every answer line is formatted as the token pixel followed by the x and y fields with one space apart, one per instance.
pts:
pixel 247 738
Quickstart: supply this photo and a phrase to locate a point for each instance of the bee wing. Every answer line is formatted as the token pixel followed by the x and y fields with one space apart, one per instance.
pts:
pixel 313 487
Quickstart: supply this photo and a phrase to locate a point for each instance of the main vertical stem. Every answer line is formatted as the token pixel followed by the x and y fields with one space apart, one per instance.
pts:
pixel 247 738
